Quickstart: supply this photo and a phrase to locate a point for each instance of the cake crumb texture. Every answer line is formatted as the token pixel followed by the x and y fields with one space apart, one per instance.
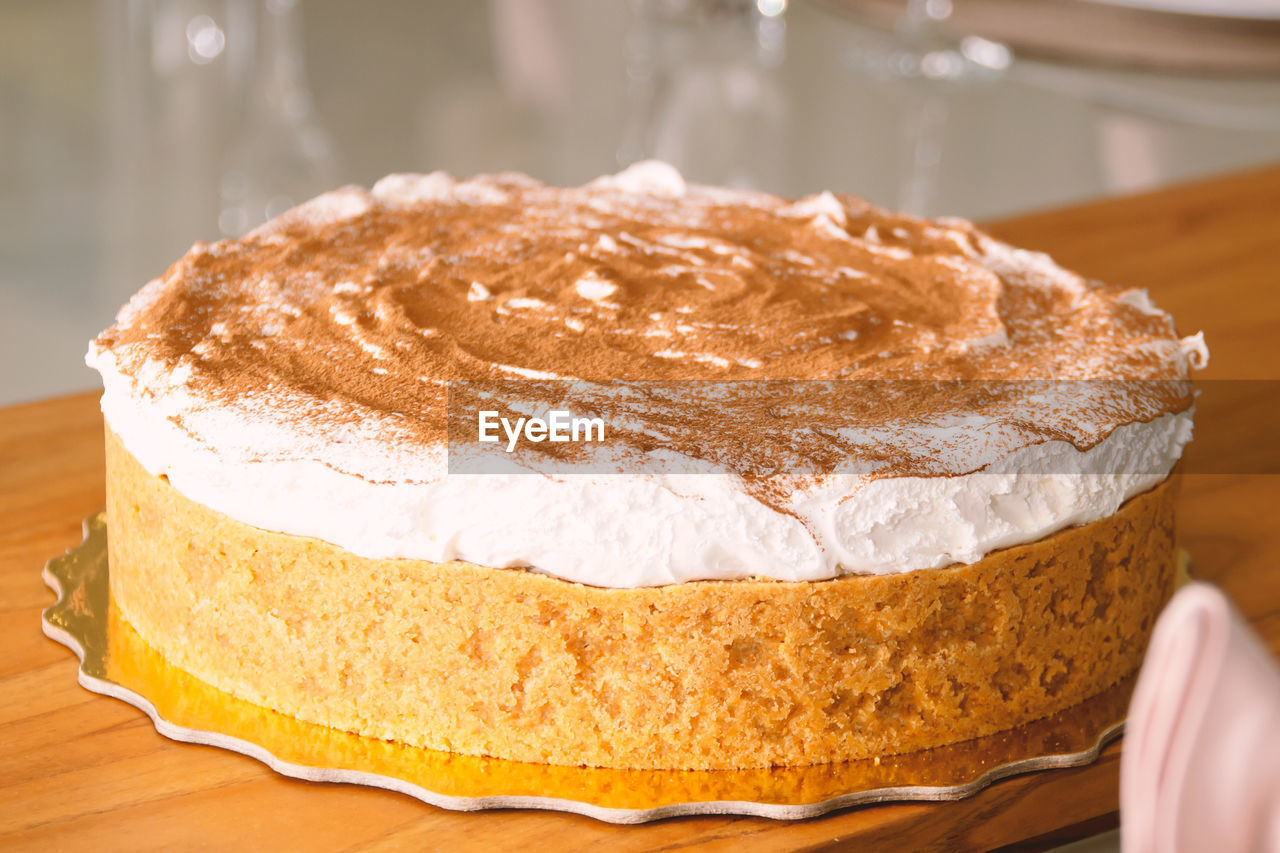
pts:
pixel 705 675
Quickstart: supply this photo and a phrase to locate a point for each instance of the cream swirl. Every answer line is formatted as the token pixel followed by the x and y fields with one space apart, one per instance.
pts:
pixel 312 358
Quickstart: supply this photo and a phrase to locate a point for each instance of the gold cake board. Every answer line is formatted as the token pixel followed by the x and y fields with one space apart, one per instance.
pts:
pixel 116 662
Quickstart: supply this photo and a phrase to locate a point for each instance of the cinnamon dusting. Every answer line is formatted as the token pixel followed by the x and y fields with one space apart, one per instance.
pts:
pixel 364 312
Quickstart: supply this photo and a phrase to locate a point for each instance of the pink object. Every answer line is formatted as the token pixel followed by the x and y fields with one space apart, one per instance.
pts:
pixel 1201 765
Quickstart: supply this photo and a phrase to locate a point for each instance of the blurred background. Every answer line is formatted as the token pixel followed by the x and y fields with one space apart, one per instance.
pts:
pixel 131 128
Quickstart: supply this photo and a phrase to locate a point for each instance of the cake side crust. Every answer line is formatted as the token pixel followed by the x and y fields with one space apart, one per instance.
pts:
pixel 703 675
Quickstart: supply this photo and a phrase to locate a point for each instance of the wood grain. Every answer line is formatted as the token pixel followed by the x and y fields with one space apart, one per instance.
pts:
pixel 83 771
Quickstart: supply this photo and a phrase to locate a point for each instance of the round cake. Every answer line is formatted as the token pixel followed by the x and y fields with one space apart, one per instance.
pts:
pixel 865 483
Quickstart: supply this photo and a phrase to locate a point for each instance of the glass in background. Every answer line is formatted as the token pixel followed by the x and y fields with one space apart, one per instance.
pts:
pixel 279 154
pixel 704 90
pixel 923 66
pixel 210 129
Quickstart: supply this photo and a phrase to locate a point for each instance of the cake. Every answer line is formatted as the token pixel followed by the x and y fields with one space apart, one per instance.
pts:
pixel 936 502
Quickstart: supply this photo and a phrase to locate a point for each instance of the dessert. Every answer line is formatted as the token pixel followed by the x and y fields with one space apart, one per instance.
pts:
pixel 869 562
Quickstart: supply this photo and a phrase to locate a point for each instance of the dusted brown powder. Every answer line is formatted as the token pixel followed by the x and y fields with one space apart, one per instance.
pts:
pixel 359 307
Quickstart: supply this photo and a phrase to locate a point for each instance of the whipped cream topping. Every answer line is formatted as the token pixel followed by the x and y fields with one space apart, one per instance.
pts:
pixel 297 379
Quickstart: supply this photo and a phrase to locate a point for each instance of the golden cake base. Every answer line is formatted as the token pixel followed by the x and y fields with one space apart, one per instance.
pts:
pixel 116 662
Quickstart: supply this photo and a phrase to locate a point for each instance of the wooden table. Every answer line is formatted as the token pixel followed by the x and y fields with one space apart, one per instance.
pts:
pixel 80 770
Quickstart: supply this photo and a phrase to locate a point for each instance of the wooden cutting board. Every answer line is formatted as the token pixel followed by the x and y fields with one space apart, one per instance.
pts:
pixel 82 771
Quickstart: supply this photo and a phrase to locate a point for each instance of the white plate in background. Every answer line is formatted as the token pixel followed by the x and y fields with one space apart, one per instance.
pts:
pixel 1257 10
